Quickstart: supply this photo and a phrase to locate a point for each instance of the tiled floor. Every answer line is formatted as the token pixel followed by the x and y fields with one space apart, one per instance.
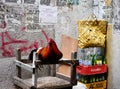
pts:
pixel 79 86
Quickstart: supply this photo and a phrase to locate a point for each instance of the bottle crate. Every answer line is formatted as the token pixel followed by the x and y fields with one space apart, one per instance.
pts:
pixel 90 70
pixel 97 81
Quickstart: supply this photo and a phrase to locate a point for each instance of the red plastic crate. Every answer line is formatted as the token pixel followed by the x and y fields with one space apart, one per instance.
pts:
pixel 89 70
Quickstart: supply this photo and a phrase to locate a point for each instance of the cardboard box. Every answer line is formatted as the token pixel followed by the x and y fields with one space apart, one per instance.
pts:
pixel 97 85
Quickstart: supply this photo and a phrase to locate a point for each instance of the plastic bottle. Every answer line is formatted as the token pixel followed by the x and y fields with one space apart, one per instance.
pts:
pixel 81 56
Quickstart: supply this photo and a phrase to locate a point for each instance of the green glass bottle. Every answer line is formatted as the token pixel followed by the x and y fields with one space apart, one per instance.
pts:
pixel 104 61
pixel 82 79
pixel 93 79
pixel 93 59
pixel 96 78
pixel 100 77
pixel 98 58
pixel 85 79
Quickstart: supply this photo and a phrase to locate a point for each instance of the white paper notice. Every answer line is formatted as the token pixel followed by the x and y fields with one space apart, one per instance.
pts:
pixel 47 14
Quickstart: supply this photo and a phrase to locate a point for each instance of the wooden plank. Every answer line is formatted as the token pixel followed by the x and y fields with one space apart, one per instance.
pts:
pixel 23 65
pixel 26 61
pixel 35 71
pixel 68 45
pixel 73 75
pixel 18 57
pixel 64 69
pixel 109 45
pixel 109 51
pixel 22 83
pixel 51 82
pixel 48 82
pixel 67 62
pixel 63 76
pixel 53 70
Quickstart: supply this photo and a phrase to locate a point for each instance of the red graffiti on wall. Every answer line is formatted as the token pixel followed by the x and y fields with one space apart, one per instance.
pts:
pixel 41 43
pixel 45 34
pixel 23 28
pixel 7 42
pixel 34 45
pixel 8 50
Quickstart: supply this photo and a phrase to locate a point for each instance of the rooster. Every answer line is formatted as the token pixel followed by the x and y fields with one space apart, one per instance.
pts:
pixel 48 54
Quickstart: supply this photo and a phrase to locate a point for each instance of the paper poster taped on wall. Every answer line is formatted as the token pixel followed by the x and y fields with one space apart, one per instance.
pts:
pixel 48 14
pixel 45 2
pixel 2 21
pixel 103 9
pixel 12 1
pixel 32 19
pixel 67 2
pixel 2 8
pixel 29 1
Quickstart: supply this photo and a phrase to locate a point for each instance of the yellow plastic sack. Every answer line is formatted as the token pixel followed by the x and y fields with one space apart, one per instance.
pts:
pixel 92 33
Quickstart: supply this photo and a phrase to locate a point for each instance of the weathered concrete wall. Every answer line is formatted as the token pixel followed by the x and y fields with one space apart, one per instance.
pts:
pixel 7 72
pixel 114 72
pixel 19 36
pixel 69 16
